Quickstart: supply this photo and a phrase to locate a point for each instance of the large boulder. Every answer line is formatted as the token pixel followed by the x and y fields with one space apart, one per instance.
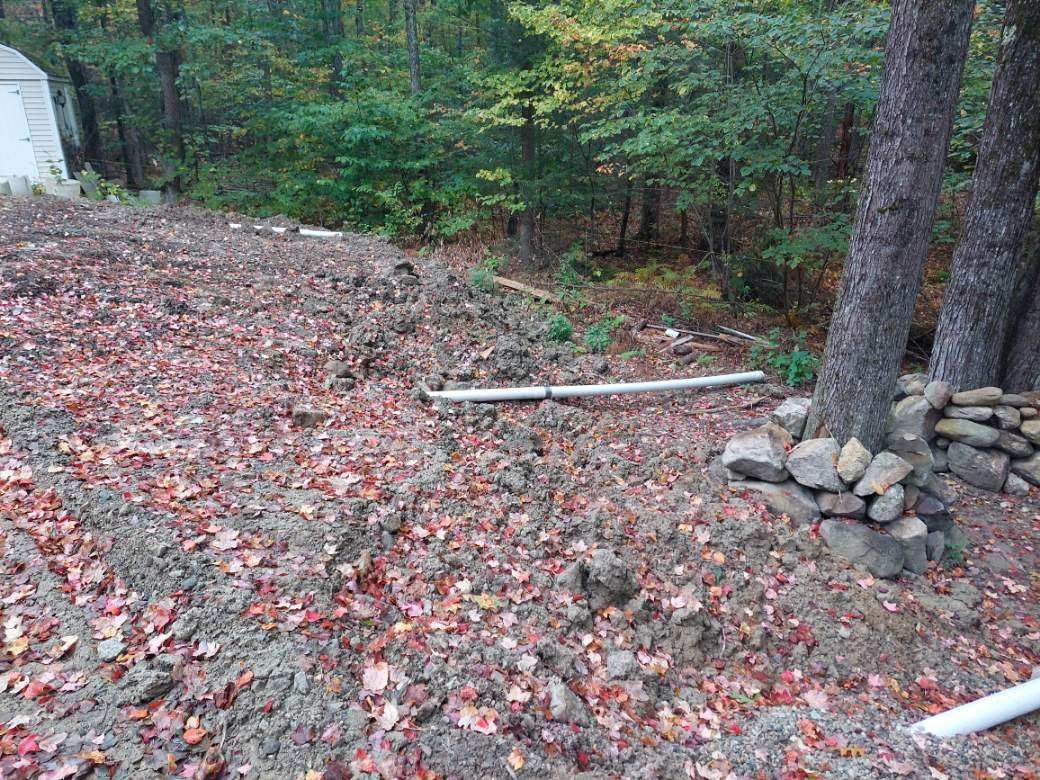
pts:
pixel 938 393
pixel 915 451
pixel 1008 417
pixel 813 463
pixel 987 469
pixel 1016 486
pixel 982 396
pixel 760 453
pixel 933 486
pixel 791 415
pixel 913 415
pixel 968 432
pixel 1028 468
pixel 885 470
pixel 1014 399
pixel 841 505
pixel 1014 445
pixel 881 555
pixel 783 498
pixel 888 506
pixel 973 413
pixel 912 535
pixel 1031 430
pixel 853 460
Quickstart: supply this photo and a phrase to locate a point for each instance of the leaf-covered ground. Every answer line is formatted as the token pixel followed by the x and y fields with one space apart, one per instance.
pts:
pixel 195 584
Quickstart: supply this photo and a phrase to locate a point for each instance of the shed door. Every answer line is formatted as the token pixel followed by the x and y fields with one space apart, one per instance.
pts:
pixel 16 149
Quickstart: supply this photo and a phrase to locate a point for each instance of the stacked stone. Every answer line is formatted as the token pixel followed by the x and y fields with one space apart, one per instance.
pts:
pixel 889 511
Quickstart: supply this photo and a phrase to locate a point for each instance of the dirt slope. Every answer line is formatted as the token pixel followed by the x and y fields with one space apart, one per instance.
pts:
pixel 410 589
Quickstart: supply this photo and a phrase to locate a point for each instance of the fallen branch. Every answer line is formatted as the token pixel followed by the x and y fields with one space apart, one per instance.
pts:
pixel 534 292
pixel 735 407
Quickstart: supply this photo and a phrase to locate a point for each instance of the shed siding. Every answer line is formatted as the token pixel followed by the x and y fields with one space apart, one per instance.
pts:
pixel 46 143
pixel 14 67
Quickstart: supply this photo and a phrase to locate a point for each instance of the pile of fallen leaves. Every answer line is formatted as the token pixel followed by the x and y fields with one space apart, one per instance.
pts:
pixel 238 541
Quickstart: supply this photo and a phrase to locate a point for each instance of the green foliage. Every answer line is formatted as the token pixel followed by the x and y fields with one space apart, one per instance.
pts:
pixel 560 329
pixel 482 275
pixel 598 336
pixel 705 360
pixel 790 359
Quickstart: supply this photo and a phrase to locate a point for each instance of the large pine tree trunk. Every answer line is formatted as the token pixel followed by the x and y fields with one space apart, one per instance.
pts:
pixel 925 52
pixel 1022 363
pixel 411 8
pixel 970 338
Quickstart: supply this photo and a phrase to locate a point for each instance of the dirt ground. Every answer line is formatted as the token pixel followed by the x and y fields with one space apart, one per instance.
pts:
pixel 225 556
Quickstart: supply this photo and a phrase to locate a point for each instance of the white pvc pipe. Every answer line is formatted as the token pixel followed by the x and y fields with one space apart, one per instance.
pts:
pixel 541 392
pixel 321 233
pixel 985 712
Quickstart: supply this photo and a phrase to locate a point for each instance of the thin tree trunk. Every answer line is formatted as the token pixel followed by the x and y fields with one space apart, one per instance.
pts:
pixel 332 29
pixel 412 34
pixel 167 65
pixel 1022 355
pixel 359 17
pixel 129 143
pixel 973 322
pixel 925 53
pixel 527 156
pixel 64 15
pixel 649 213
pixel 626 213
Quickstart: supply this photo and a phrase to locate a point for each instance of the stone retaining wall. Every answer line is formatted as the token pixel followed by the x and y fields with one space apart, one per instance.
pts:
pixel 889 511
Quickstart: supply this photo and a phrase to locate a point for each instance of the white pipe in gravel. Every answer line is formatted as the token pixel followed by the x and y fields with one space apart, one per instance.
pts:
pixel 984 713
pixel 541 392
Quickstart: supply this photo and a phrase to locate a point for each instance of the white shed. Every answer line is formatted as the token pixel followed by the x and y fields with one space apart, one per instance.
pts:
pixel 39 128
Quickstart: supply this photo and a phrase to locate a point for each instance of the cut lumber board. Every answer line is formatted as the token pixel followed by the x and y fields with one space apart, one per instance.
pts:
pixel 534 292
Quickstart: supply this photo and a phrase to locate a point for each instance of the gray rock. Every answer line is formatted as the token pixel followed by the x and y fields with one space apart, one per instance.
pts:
pixel 935 544
pixel 1031 430
pixel 983 396
pixel 760 453
pixel 1028 469
pixel 968 432
pixel 1028 412
pixel 301 683
pixel 338 369
pixel 938 393
pixel 307 417
pixel 621 664
pixel 853 460
pixel 841 505
pixel 1008 417
pixel 934 486
pixel 973 413
pixel 933 513
pixel 572 578
pixel 911 384
pixel 915 451
pixel 1016 485
pixel 885 470
pixel 813 463
pixel 913 415
pixel 143 684
pixel 986 469
pixel 783 498
pixel 881 555
pixel 565 705
pixel 941 442
pixel 1014 445
pixel 791 415
pixel 911 495
pixel 1014 399
pixel 888 506
pixel 912 535
pixel 609 580
pixel 110 649
pixel 940 460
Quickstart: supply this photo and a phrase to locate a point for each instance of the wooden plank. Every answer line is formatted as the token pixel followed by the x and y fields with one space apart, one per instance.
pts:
pixel 534 292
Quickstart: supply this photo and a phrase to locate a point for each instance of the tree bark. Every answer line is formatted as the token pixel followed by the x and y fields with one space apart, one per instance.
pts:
pixel 650 211
pixel 129 141
pixel 412 34
pixel 332 29
pixel 925 53
pixel 527 159
pixel 973 322
pixel 359 17
pixel 626 213
pixel 65 20
pixel 1022 361
pixel 167 65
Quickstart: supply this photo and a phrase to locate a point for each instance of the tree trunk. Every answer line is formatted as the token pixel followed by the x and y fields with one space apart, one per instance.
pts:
pixel 411 8
pixel 65 20
pixel 1022 359
pixel 527 155
pixel 167 65
pixel 129 141
pixel 649 213
pixel 359 17
pixel 626 213
pixel 970 338
pixel 925 52
pixel 823 163
pixel 332 30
